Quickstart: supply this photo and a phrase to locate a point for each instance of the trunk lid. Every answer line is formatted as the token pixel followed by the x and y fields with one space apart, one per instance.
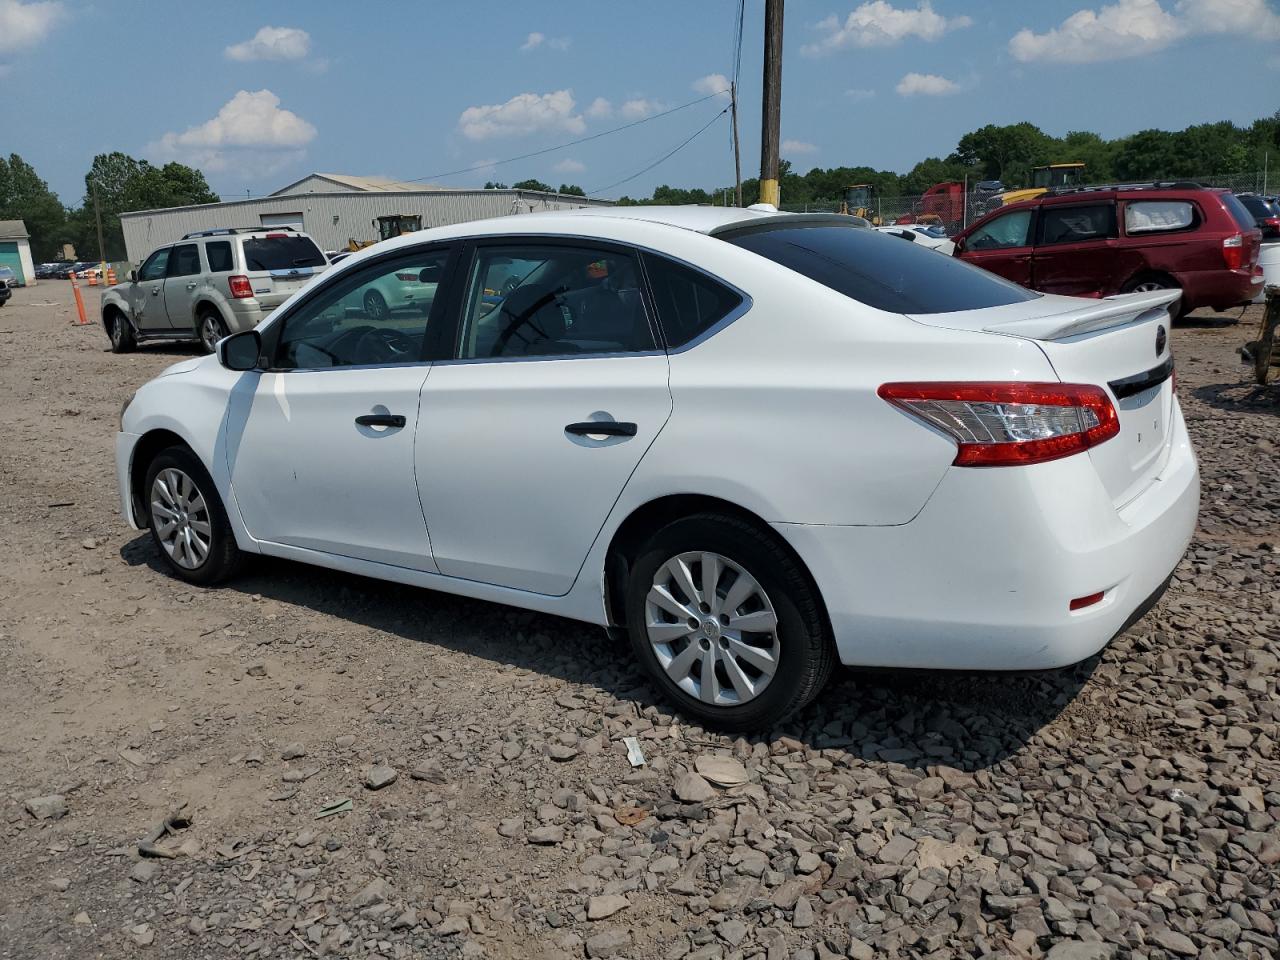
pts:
pixel 1121 343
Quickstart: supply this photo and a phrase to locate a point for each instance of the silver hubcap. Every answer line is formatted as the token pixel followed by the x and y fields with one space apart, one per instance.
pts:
pixel 211 333
pixel 1149 286
pixel 713 628
pixel 180 518
pixel 375 307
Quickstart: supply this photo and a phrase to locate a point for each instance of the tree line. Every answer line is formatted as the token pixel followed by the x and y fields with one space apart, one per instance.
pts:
pixel 1006 153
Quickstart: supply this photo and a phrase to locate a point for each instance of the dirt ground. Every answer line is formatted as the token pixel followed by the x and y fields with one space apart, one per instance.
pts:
pixel 1126 807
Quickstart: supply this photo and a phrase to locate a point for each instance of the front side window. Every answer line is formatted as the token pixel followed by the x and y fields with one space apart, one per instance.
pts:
pixel 184 261
pixel 155 266
pixel 281 251
pixel 880 270
pixel 1076 224
pixel 1013 229
pixel 689 303
pixel 1155 216
pixel 534 300
pixel 218 252
pixel 381 314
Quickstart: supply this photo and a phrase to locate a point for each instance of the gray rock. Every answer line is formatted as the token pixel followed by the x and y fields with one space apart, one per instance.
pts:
pixel 1081 950
pixel 52 807
pixel 603 907
pixel 379 777
pixel 546 836
pixel 1175 942
pixel 144 871
pixel 608 943
pixel 375 891
pixel 293 751
pixel 689 787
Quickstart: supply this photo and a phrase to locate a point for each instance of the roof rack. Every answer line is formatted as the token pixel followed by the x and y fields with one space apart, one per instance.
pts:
pixel 227 231
pixel 1149 185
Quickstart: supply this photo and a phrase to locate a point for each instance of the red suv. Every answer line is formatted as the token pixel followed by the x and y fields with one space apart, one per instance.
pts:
pixel 1096 241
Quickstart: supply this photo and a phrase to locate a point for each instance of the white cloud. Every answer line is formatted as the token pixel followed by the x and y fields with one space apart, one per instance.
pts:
pixel 26 24
pixel 272 43
pixel 640 107
pixel 523 114
pixel 569 165
pixel 600 108
pixel 926 85
pixel 880 24
pixel 1252 18
pixel 859 93
pixel 536 39
pixel 712 83
pixel 250 126
pixel 797 146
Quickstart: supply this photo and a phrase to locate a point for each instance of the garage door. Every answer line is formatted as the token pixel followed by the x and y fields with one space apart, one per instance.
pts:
pixel 282 220
pixel 9 258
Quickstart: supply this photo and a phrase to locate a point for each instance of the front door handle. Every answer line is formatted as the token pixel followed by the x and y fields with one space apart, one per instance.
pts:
pixel 155 291
pixel 381 420
pixel 608 428
pixel 191 286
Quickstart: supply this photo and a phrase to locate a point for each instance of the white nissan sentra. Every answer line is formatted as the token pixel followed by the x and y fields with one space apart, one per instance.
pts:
pixel 757 442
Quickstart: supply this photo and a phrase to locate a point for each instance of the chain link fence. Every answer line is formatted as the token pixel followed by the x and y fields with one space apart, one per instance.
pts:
pixel 958 209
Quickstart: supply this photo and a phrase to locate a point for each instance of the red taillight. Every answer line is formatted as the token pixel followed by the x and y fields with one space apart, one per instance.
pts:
pixel 408 277
pixel 1008 424
pixel 240 287
pixel 1233 252
pixel 277 236
pixel 1079 603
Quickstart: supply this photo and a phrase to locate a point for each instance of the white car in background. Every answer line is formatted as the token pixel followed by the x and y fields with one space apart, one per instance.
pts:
pixel 931 237
pixel 759 443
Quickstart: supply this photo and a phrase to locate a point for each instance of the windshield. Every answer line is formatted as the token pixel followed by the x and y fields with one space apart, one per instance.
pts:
pixel 880 270
pixel 283 252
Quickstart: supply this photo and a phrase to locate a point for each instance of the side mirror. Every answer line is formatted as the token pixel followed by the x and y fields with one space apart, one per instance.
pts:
pixel 132 276
pixel 240 351
pixel 959 245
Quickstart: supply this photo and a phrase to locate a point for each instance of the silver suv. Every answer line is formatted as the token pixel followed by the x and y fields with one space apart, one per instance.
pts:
pixel 208 285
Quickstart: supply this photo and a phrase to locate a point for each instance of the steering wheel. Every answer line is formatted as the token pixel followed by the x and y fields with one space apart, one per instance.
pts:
pixel 383 346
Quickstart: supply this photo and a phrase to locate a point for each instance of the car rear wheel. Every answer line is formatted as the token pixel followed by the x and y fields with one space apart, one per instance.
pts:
pixel 121 333
pixel 212 329
pixel 1150 283
pixel 187 520
pixel 375 306
pixel 727 623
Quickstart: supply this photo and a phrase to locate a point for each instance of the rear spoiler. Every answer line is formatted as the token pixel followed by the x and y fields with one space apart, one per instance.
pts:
pixel 1092 316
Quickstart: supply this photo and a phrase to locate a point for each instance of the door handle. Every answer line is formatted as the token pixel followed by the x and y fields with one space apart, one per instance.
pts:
pixel 608 428
pixel 381 420
pixel 155 291
pixel 191 286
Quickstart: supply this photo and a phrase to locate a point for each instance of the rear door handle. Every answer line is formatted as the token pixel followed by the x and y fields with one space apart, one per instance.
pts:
pixel 608 428
pixel 381 420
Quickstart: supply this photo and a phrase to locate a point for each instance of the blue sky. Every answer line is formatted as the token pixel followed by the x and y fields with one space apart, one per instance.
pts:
pixel 411 90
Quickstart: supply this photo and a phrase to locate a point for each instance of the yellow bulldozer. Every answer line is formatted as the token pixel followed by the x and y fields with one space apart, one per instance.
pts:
pixel 391 225
pixel 859 201
pixel 1051 176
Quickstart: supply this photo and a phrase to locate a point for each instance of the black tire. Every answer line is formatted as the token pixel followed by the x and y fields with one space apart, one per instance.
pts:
pixel 806 651
pixel 223 557
pixel 120 333
pixel 375 306
pixel 209 324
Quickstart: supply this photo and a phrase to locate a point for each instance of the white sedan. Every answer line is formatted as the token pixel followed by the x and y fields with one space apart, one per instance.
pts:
pixel 759 443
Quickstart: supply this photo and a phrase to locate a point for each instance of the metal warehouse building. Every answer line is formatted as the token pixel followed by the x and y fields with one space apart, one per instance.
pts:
pixel 335 209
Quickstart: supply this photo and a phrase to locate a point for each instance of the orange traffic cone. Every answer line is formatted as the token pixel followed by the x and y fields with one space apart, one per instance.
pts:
pixel 111 276
pixel 93 278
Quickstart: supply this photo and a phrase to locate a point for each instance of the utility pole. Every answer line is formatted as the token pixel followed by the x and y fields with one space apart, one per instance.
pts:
pixel 97 213
pixel 772 114
pixel 737 158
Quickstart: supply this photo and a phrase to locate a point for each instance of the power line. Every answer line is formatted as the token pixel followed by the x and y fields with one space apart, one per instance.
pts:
pixel 666 156
pixel 737 40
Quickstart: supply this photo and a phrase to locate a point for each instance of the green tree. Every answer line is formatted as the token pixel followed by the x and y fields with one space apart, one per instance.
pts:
pixel 494 185
pixel 1146 155
pixel 1005 153
pixel 26 197
pixel 124 184
pixel 572 189
pixel 532 185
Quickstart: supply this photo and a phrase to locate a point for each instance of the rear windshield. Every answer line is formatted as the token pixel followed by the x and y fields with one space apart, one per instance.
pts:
pixel 1243 218
pixel 1259 206
pixel 281 253
pixel 880 270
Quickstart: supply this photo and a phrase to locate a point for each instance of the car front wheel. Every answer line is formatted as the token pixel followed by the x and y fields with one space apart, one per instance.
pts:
pixel 187 520
pixel 727 623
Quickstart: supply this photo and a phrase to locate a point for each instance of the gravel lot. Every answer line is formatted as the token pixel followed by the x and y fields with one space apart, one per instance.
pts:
pixel 1126 807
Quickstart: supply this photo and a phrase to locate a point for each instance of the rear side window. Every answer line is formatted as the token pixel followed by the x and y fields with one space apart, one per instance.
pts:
pixel 283 252
pixel 1154 216
pixel 881 271
pixel 1076 224
pixel 218 253
pixel 689 303
pixel 1243 218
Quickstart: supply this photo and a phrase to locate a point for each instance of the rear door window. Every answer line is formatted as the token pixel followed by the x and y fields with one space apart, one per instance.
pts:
pixel 880 270
pixel 689 303
pixel 1076 224
pixel 218 253
pixel 1155 216
pixel 281 252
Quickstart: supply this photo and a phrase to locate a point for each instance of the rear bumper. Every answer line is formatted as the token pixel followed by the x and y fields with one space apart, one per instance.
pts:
pixel 1218 288
pixel 245 315
pixel 982 578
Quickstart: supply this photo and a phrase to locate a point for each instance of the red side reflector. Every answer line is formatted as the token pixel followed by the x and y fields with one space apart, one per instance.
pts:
pixel 1080 603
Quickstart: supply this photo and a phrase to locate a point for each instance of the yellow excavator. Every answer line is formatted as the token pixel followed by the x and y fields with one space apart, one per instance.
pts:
pixel 1051 176
pixel 858 202
pixel 391 225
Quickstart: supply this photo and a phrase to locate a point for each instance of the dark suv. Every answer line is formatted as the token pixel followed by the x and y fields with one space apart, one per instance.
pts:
pixel 1098 241
pixel 1266 213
